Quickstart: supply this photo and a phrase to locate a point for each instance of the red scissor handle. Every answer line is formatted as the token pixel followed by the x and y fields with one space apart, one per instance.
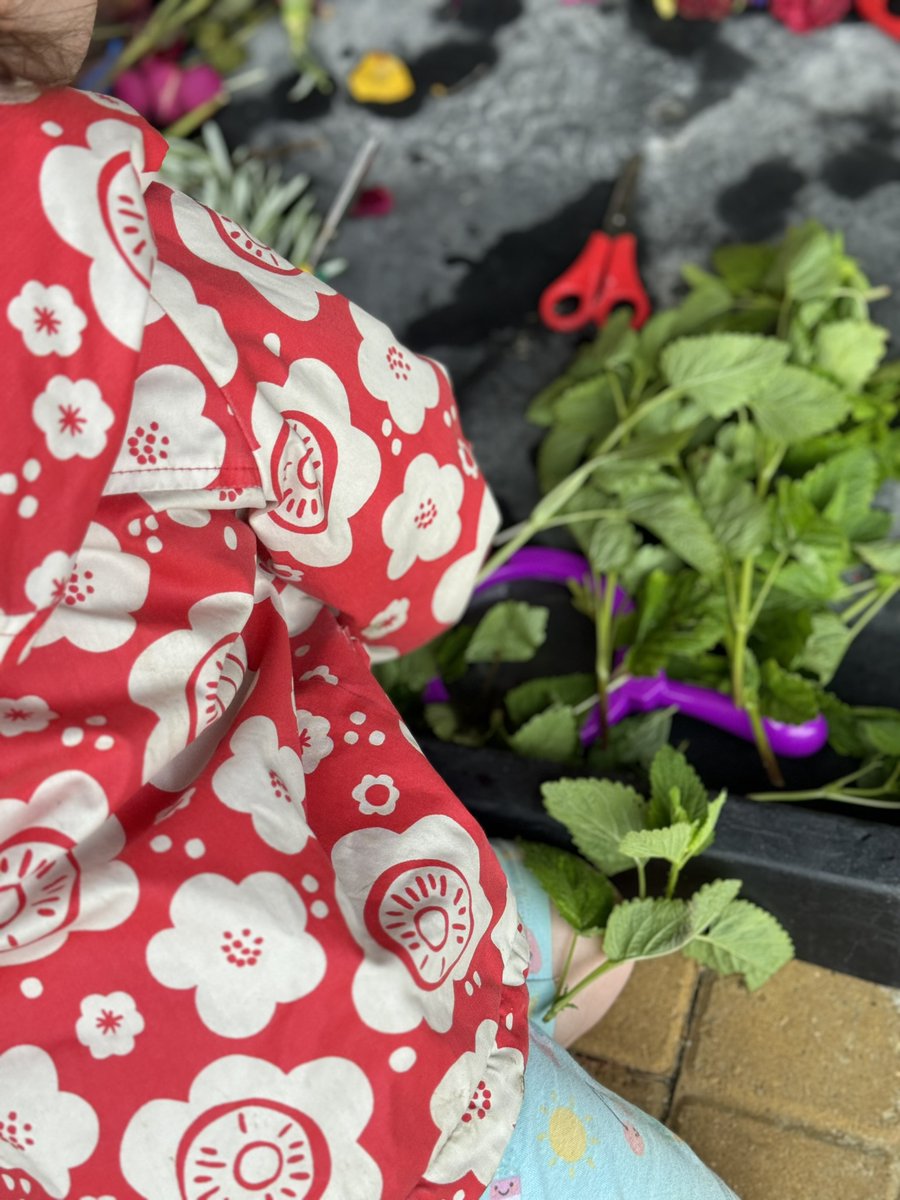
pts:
pixel 603 276
pixel 879 13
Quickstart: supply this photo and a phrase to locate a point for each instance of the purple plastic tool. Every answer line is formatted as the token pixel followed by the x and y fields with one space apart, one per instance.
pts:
pixel 637 694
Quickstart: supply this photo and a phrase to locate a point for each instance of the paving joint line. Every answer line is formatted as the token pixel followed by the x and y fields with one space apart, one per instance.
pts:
pixel 688 1025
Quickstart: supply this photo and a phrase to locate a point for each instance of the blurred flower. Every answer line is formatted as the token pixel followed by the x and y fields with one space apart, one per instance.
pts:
pixel 162 91
pixel 705 10
pixel 380 78
pixel 373 202
pixel 801 16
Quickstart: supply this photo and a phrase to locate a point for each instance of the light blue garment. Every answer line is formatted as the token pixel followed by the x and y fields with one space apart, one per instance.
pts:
pixel 575 1139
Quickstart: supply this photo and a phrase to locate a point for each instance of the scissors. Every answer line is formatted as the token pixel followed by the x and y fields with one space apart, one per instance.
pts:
pixel 605 273
pixel 882 14
pixel 644 694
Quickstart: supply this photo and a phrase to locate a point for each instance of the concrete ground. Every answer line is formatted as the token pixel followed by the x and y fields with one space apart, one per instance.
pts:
pixel 789 1093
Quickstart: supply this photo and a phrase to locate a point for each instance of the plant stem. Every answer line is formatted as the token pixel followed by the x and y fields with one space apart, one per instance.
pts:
pixel 562 999
pixel 642 878
pixel 884 598
pixel 769 761
pixel 843 791
pixel 672 882
pixel 767 585
pixel 604 598
pixel 567 965
pixel 741 620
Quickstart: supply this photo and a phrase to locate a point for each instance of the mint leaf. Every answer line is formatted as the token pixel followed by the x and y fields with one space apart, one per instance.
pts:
pixel 673 515
pixel 510 631
pixel 739 520
pixel 632 741
pixel 597 813
pixel 646 929
pixel 587 407
pixel 583 896
pixel 444 723
pixel 559 454
pixel 825 647
pixel 809 263
pixel 850 351
pixel 709 902
pixel 535 695
pixel 677 792
pixel 786 696
pixel 843 487
pixel 793 404
pixel 409 673
pixel 552 735
pixel 450 652
pixel 881 556
pixel 744 267
pixel 613 544
pixel 719 370
pixel 670 843
pixel 677 614
pixel 744 940
pixel 704 834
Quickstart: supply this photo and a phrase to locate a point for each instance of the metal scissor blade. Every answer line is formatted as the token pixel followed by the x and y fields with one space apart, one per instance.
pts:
pixel 620 202
pixel 344 198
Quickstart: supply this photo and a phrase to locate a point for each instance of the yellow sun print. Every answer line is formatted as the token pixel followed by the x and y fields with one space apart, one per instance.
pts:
pixel 568 1135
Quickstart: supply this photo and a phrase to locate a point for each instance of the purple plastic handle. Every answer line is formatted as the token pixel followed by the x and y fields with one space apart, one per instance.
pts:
pixel 638 694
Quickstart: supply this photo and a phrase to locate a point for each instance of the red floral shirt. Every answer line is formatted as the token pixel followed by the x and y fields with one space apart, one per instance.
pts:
pixel 250 946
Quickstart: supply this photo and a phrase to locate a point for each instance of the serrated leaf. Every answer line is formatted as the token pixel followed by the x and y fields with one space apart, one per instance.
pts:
pixel 444 723
pixel 677 615
pixel 739 520
pixel 880 728
pixel 809 263
pixel 450 652
pixel 673 515
pixel 583 896
pixel 559 454
pixel 709 902
pixel 720 370
pixel 633 741
pixel 535 695
pixel 743 266
pixel 826 646
pixel 551 735
pixel 794 404
pixel 597 813
pixel 743 940
pixel 613 544
pixel 646 929
pixel 511 631
pixel 883 556
pixel 850 351
pixel 409 673
pixel 587 407
pixel 705 834
pixel 787 696
pixel 670 843
pixel 673 779
pixel 843 487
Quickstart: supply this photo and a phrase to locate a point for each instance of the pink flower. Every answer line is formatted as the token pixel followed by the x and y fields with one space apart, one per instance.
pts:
pixel 162 91
pixel 373 202
pixel 801 16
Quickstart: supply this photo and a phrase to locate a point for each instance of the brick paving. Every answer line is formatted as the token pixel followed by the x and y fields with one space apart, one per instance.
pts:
pixel 790 1092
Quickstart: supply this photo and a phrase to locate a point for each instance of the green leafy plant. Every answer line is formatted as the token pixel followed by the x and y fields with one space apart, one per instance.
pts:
pixel 615 830
pixel 722 465
pixel 280 212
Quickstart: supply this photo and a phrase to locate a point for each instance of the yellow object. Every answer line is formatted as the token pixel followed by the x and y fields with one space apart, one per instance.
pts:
pixel 667 9
pixel 380 78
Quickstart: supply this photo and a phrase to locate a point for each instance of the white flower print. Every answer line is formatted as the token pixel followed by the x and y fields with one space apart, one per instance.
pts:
pixel 48 318
pixel 405 382
pixel 243 946
pixel 423 521
pixel 266 780
pixel 167 435
pixel 257 1131
pixel 206 681
pixel 321 672
pixel 454 588
pixel 466 458
pixel 73 417
pixel 475 1106
pixel 418 895
pixel 376 794
pixel 58 868
pixel 109 1024
pixel 44 585
pixel 511 939
pixel 315 744
pixel 318 468
pixel 27 714
pixel 43 1131
pixel 201 324
pixel 389 620
pixel 96 597
pixel 223 243
pixel 93 197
